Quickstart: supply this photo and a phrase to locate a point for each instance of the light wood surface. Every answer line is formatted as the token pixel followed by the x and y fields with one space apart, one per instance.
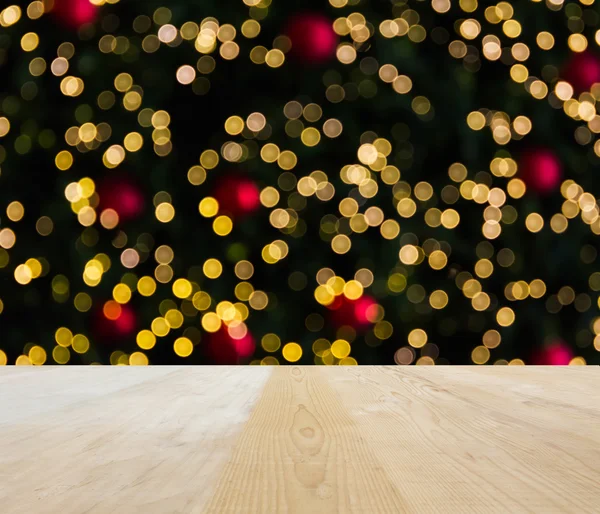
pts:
pixel 299 440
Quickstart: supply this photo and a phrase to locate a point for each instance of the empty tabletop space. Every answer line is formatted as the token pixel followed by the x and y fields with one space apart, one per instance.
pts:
pixel 299 439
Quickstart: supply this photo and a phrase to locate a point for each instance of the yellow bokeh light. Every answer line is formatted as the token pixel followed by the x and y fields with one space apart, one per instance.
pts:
pixel 450 218
pixel 417 338
pixel 64 160
pixel 209 159
pixel 438 299
pixel 146 286
pixel 121 293
pixel 145 339
pixel 211 322
pixel 183 347
pixel 340 349
pixel 30 41
pixel 505 316
pixel 534 222
pixel 133 141
pixel 23 274
pixel 165 212
pixel 222 225
pixel 480 355
pixel 61 355
pixel 310 136
pixel 292 352
pixel 208 207
pixel 80 343
pixel 476 120
pixel 270 342
pixel 438 259
pixel 15 211
pixel 212 268
pixel 409 254
pixel 138 359
pixel 182 288
pixel 274 58
pixel 37 355
pixel 234 125
pixel 353 289
pixel 4 126
pixel 63 336
pixel 160 327
pixel 23 360
pixel 341 244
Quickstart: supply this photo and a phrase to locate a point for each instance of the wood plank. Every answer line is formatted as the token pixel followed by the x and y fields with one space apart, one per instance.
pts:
pixel 478 448
pixel 156 446
pixel 49 387
pixel 300 440
pixel 303 452
pixel 388 439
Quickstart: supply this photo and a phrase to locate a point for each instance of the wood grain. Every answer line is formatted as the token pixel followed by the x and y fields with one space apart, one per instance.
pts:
pixel 300 440
pixel 156 445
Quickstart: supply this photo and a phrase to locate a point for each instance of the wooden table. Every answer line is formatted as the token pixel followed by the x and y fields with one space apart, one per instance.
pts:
pixel 300 440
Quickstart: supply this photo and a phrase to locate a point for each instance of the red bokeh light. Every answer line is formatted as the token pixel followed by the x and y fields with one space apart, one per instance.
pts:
pixel 74 13
pixel 313 38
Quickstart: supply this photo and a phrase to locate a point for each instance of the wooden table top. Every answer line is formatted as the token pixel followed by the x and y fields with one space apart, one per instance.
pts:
pixel 299 440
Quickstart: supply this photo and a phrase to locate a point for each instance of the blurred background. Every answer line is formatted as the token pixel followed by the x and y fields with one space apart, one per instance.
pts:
pixel 328 182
